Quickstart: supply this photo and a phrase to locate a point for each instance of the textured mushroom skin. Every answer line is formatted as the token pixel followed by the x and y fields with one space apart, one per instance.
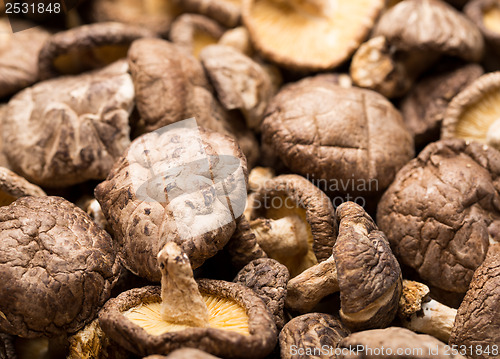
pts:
pixel 478 318
pixel 243 247
pixel 57 267
pixel 268 278
pixel 16 186
pixel 441 211
pixel 311 331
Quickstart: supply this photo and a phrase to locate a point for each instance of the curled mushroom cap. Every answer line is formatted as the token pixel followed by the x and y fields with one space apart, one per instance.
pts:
pixel 310 34
pixel 70 129
pixel 226 12
pixel 351 139
pixel 243 247
pixel 486 15
pixel 474 114
pixel 443 210
pixel 57 267
pixel 13 186
pixel 310 333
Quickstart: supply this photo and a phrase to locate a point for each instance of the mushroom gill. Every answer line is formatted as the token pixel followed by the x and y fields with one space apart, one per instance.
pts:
pixel 491 18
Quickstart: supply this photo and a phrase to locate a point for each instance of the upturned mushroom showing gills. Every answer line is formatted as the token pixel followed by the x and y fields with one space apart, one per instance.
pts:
pixel 222 318
pixel 362 268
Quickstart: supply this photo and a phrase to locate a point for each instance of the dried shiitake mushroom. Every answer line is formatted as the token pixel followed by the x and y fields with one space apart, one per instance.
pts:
pixel 13 186
pixel 486 15
pixel 87 47
pixel 313 335
pixel 183 184
pixel 226 12
pixel 70 129
pixel 239 38
pixel 92 207
pixel 313 34
pixel 474 114
pixel 7 350
pixel 242 246
pixel 19 56
pixel 442 211
pixel 352 139
pixel 222 318
pixel 362 268
pixel 57 267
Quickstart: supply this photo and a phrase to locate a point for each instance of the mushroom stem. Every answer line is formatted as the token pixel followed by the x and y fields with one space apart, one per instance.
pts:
pixel 308 288
pixel 493 135
pixel 182 302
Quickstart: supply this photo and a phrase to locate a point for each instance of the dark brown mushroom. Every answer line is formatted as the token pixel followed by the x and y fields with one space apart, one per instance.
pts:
pixel 71 129
pixel 242 246
pixel 226 12
pixel 7 350
pixel 13 186
pixel 442 212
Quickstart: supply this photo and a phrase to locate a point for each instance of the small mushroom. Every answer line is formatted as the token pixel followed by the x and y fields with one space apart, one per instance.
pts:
pixel 474 114
pixel 57 267
pixel 362 267
pixel 13 186
pixel 222 318
pixel 313 335
pixel 226 12
pixel 71 129
pixel 309 35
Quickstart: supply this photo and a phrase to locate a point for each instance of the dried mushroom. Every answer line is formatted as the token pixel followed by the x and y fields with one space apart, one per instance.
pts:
pixel 226 12
pixel 183 184
pixel 474 114
pixel 70 129
pixel 92 207
pixel 294 222
pixel 184 353
pixel 313 335
pixel 87 47
pixel 408 39
pixel 243 247
pixel 425 105
pixel 239 38
pixel 268 278
pixel 393 342
pixel 7 350
pixel 13 186
pixel 442 212
pixel 222 318
pixel 486 15
pixel 362 268
pixel 57 267
pixel 352 139
pixel 240 82
pixel 313 35
pixel 19 56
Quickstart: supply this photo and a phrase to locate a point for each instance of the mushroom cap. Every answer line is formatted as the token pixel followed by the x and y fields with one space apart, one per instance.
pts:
pixel 57 267
pixel 268 278
pixel 71 129
pixel 174 185
pixel 292 36
pixel 474 112
pixel 393 342
pixel 412 297
pixel 442 211
pixel 87 47
pixel 485 14
pixel 431 26
pixel 243 247
pixel 369 276
pixel 13 186
pixel 259 341
pixel 478 317
pixel 19 55
pixel 311 332
pixel 184 353
pixel 226 12
pixel 352 139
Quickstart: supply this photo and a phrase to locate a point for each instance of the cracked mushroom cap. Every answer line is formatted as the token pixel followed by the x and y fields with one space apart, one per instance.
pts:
pixel 226 12
pixel 57 267
pixel 352 139
pixel 478 317
pixel 474 114
pixel 442 211
pixel 309 35
pixel 70 129
pixel 310 332
pixel 174 185
pixel 19 55
pixel 87 47
pixel 486 16
pixel 13 186
pixel 393 342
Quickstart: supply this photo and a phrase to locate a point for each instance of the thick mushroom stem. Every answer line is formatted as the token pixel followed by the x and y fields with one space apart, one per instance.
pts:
pixel 308 288
pixel 182 302
pixel 493 135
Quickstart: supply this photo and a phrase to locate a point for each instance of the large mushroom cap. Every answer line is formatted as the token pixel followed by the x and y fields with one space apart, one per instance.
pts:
pixel 309 35
pixel 443 210
pixel 57 267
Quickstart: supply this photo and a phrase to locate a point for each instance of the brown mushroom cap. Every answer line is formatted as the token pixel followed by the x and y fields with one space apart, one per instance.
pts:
pixel 478 320
pixel 57 267
pixel 70 129
pixel 309 35
pixel 226 12
pixel 87 47
pixel 19 56
pixel 351 138
pixel 13 186
pixel 243 247
pixel 474 114
pixel 486 15
pixel 443 210
pixel 393 342
pixel 316 335
pixel 258 342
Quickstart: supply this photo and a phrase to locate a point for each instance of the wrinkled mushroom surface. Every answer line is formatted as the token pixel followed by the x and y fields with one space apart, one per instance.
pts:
pixel 486 15
pixel 13 186
pixel 243 247
pixel 226 12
